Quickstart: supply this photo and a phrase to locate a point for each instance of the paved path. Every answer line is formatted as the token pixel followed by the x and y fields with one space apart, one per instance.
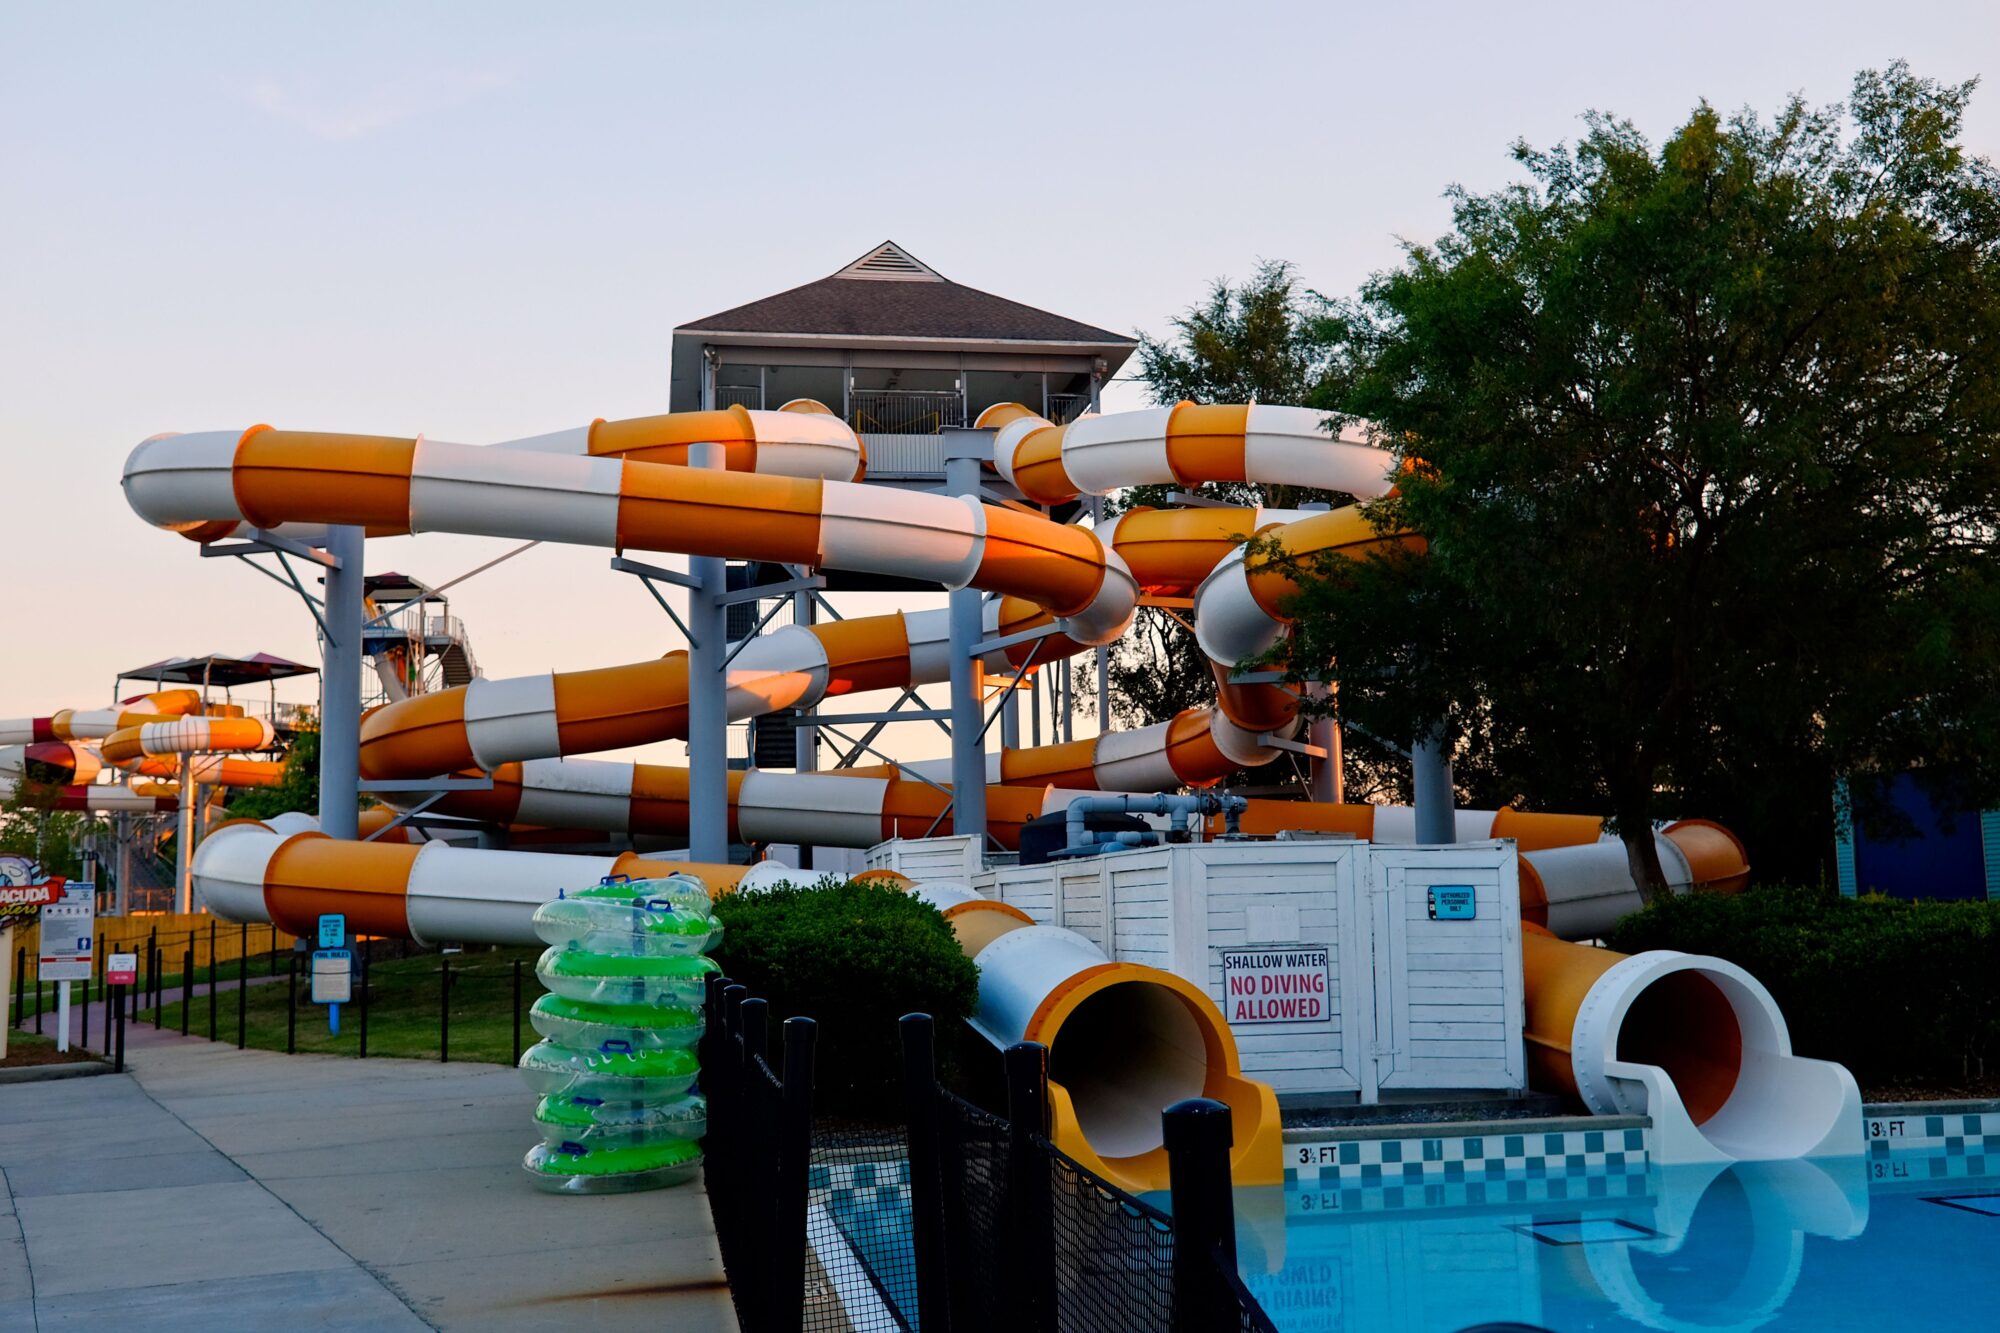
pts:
pixel 212 1187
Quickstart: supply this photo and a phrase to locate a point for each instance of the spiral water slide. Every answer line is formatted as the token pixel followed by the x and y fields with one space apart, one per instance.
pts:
pixel 623 485
pixel 146 737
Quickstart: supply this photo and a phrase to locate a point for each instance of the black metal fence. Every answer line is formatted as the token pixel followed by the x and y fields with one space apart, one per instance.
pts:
pixel 959 1221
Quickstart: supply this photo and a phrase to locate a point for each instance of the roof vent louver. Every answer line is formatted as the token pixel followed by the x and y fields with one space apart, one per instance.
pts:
pixel 889 262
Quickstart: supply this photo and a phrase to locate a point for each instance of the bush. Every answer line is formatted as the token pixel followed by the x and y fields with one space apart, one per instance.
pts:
pixel 1896 991
pixel 855 956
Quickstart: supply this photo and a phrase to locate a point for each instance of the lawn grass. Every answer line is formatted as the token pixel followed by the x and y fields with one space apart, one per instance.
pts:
pixel 404 1014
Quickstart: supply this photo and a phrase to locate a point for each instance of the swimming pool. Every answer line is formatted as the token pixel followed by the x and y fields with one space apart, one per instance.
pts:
pixel 1889 1243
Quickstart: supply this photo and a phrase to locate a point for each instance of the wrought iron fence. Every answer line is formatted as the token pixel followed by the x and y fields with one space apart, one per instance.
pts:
pixel 1063 408
pixel 959 1221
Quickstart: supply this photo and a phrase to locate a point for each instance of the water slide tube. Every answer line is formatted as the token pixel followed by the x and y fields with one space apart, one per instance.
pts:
pixel 147 738
pixel 1694 1042
pixel 204 484
pixel 1124 1041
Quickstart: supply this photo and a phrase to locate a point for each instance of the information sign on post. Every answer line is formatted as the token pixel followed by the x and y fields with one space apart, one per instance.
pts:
pixel 332 980
pixel 332 930
pixel 69 929
pixel 69 926
pixel 121 969
pixel 1453 902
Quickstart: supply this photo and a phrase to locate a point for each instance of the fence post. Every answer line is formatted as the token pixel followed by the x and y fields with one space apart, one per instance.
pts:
pixel 444 1008
pixel 756 1141
pixel 20 983
pixel 517 1011
pixel 38 992
pixel 794 1170
pixel 159 980
pixel 117 1006
pixel 1197 1136
pixel 84 1042
pixel 1030 1214
pixel 714 1086
pixel 920 1109
pixel 213 968
pixel 187 984
pixel 363 1055
pixel 292 1005
pixel 242 984
pixel 100 966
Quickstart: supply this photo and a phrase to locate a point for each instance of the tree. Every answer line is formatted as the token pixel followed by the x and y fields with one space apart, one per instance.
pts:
pixel 1702 439
pixel 53 839
pixel 298 789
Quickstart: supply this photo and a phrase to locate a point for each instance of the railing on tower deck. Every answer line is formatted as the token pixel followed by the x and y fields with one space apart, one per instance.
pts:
pixel 1063 408
pixel 905 411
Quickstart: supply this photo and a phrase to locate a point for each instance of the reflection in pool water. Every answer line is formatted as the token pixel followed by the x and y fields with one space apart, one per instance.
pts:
pixel 1891 1244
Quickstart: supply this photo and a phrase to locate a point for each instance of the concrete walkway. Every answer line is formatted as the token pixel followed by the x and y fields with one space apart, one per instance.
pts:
pixel 212 1187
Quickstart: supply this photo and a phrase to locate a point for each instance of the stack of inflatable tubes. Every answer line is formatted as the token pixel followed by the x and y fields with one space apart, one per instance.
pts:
pixel 626 968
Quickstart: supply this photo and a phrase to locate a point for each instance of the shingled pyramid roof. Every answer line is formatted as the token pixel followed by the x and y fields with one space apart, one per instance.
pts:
pixel 888 293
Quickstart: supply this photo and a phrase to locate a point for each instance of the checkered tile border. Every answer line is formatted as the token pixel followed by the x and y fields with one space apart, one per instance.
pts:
pixel 1950 1134
pixel 1308 1199
pixel 1454 1158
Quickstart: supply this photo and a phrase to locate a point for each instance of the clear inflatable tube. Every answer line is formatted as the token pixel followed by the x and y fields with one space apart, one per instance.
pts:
pixel 572 1168
pixel 647 918
pixel 594 1122
pixel 641 1027
pixel 615 1073
pixel 604 978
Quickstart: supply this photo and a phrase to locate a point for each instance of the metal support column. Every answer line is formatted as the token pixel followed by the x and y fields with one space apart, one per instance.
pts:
pixel 805 735
pixel 185 798
pixel 340 686
pixel 1102 654
pixel 1329 781
pixel 708 720
pixel 1430 773
pixel 968 748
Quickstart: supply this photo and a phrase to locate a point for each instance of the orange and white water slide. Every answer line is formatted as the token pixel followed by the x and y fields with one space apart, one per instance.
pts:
pixel 148 737
pixel 788 496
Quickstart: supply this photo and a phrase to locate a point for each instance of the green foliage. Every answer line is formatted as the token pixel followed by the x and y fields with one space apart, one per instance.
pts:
pixel 1893 990
pixel 298 790
pixel 1708 471
pixel 53 839
pixel 1267 340
pixel 854 956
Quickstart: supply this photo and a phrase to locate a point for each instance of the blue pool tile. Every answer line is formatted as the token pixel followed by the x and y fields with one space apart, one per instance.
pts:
pixel 1433 1150
pixel 1934 1126
pixel 1614 1161
pixel 1392 1150
pixel 1552 1144
pixel 1513 1146
pixel 1371 1174
pixel 1475 1149
pixel 1454 1170
pixel 1413 1170
pixel 1635 1140
pixel 1350 1154
pixel 1593 1141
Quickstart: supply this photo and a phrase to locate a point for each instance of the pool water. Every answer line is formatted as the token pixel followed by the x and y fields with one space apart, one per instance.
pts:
pixel 1902 1243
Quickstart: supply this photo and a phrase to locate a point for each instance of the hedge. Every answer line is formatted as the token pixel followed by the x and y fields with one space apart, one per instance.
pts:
pixel 855 956
pixel 1896 991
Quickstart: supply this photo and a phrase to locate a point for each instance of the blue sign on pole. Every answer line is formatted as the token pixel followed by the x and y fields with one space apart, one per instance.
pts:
pixel 1453 902
pixel 332 930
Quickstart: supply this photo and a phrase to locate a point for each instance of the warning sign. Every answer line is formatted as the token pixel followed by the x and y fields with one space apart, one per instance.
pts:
pixel 1276 985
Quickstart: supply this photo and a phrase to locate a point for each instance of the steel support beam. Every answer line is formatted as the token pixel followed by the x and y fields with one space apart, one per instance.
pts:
pixel 708 719
pixel 968 738
pixel 340 686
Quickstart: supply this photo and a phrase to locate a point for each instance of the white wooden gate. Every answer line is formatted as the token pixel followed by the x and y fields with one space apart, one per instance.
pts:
pixel 1447 943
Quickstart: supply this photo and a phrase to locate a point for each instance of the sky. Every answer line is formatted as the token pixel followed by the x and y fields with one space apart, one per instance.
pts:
pixel 481 220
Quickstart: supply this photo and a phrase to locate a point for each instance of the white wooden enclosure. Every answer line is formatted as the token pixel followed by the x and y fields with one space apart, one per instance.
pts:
pixel 1328 958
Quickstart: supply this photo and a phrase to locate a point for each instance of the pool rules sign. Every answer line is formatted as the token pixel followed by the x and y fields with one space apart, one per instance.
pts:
pixel 1288 985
